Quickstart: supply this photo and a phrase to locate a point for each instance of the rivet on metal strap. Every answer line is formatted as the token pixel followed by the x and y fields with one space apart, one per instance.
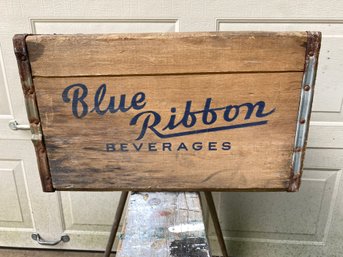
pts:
pixel 304 112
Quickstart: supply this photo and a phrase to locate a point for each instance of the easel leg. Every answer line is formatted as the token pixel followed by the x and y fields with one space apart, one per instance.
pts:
pixel 213 212
pixel 119 214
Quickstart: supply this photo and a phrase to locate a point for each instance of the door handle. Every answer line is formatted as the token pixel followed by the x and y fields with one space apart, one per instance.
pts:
pixel 41 241
pixel 14 125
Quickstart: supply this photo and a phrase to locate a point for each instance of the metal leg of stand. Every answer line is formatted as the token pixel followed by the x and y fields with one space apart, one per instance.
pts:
pixel 213 212
pixel 119 214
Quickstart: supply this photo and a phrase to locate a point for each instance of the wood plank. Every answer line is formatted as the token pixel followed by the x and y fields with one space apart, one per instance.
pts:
pixel 259 156
pixel 166 53
pixel 164 225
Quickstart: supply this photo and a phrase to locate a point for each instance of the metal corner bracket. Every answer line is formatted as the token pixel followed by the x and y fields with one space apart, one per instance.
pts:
pixel 305 106
pixel 22 55
pixel 304 110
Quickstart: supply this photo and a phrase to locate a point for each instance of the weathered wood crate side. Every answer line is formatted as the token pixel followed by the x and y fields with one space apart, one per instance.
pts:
pixel 177 111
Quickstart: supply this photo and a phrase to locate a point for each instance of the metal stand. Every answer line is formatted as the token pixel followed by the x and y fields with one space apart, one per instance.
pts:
pixel 214 215
pixel 119 214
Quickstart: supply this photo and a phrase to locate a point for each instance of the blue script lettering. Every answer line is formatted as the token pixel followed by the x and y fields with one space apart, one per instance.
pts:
pixel 209 116
pixel 80 107
pixel 152 120
pixel 78 99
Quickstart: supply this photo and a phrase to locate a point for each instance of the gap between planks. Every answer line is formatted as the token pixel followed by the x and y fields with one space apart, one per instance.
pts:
pixel 168 74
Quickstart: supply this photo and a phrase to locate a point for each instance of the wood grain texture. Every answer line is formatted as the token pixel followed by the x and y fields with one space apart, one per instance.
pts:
pixel 259 158
pixel 176 111
pixel 166 53
pixel 164 225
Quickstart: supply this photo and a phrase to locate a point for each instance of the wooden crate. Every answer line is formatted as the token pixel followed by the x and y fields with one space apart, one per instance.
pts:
pixel 211 111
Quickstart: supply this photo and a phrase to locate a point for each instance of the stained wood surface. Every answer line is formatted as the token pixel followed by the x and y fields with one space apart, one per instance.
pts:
pixel 122 54
pixel 181 111
pixel 260 156
pixel 163 225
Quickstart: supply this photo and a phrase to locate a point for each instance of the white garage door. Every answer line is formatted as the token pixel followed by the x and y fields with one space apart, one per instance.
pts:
pixel 308 223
